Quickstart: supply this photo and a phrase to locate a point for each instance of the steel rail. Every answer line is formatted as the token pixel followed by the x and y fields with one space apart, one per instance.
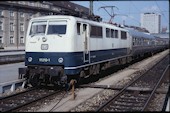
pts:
pixel 9 109
pixel 124 89
pixel 154 90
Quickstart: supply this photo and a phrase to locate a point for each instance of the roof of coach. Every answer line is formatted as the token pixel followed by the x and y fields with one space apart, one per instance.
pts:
pixel 78 19
pixel 138 34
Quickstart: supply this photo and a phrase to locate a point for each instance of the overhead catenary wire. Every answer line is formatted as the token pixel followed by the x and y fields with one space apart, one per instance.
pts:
pixel 135 6
pixel 161 11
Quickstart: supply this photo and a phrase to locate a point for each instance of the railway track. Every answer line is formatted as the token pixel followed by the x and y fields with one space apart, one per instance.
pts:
pixel 137 94
pixel 13 104
pixel 19 100
pixel 133 95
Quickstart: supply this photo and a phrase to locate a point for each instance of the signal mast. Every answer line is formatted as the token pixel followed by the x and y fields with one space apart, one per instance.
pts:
pixel 91 8
pixel 91 14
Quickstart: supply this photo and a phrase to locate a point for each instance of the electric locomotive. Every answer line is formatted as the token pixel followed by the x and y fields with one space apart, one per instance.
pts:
pixel 60 48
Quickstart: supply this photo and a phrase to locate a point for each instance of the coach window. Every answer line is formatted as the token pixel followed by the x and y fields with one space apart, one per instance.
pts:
pixel 123 35
pixel 107 32
pixel 146 42
pixel 0 39
pixel 1 24
pixel 134 41
pixel 140 41
pixel 78 28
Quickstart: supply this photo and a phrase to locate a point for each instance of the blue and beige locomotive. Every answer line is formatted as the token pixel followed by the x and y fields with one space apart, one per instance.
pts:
pixel 60 48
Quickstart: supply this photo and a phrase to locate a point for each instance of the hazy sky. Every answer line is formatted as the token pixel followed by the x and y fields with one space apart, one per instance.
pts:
pixel 132 9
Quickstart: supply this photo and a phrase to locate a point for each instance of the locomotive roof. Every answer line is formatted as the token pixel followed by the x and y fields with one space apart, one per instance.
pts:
pixel 138 34
pixel 79 19
pixel 50 17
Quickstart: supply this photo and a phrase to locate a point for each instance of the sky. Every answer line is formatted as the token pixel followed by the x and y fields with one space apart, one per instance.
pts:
pixel 130 11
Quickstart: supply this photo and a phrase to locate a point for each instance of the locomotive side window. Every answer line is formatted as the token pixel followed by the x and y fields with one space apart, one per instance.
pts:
pixel 112 33
pixel 107 33
pixel 116 33
pixel 78 28
pixel 123 35
pixel 96 31
pixel 57 27
pixel 38 28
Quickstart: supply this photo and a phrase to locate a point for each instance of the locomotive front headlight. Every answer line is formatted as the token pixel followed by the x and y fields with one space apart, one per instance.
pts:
pixel 60 60
pixel 29 59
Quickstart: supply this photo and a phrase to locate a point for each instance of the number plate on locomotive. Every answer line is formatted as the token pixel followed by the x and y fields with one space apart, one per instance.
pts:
pixel 44 46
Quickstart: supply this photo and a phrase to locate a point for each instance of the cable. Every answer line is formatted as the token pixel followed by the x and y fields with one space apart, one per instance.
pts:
pixel 67 89
pixel 58 101
pixel 161 11
pixel 134 5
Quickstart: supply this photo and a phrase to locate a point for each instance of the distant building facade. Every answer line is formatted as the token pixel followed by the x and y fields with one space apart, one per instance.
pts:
pixel 151 21
pixel 15 15
pixel 164 30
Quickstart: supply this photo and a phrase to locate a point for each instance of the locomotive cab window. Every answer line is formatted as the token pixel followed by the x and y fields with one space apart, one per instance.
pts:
pixel 38 28
pixel 57 27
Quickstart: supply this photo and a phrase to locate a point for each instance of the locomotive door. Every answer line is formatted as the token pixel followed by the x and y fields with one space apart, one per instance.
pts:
pixel 86 52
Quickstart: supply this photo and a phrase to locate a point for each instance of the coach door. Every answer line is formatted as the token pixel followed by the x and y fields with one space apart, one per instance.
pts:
pixel 85 36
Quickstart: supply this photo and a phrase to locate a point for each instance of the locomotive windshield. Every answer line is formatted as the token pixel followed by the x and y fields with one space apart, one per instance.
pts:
pixel 57 27
pixel 54 27
pixel 38 28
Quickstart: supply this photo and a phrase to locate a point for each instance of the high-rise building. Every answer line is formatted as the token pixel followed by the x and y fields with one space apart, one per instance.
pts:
pixel 151 21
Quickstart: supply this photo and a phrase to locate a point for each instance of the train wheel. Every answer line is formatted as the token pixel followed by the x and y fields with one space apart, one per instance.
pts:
pixel 34 80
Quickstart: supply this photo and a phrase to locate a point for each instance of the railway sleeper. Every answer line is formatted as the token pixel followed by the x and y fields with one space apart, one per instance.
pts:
pixel 128 104
pixel 127 107
pixel 112 87
pixel 130 100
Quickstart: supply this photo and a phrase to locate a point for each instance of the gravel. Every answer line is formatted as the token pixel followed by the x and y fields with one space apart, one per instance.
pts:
pixel 157 103
pixel 96 101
